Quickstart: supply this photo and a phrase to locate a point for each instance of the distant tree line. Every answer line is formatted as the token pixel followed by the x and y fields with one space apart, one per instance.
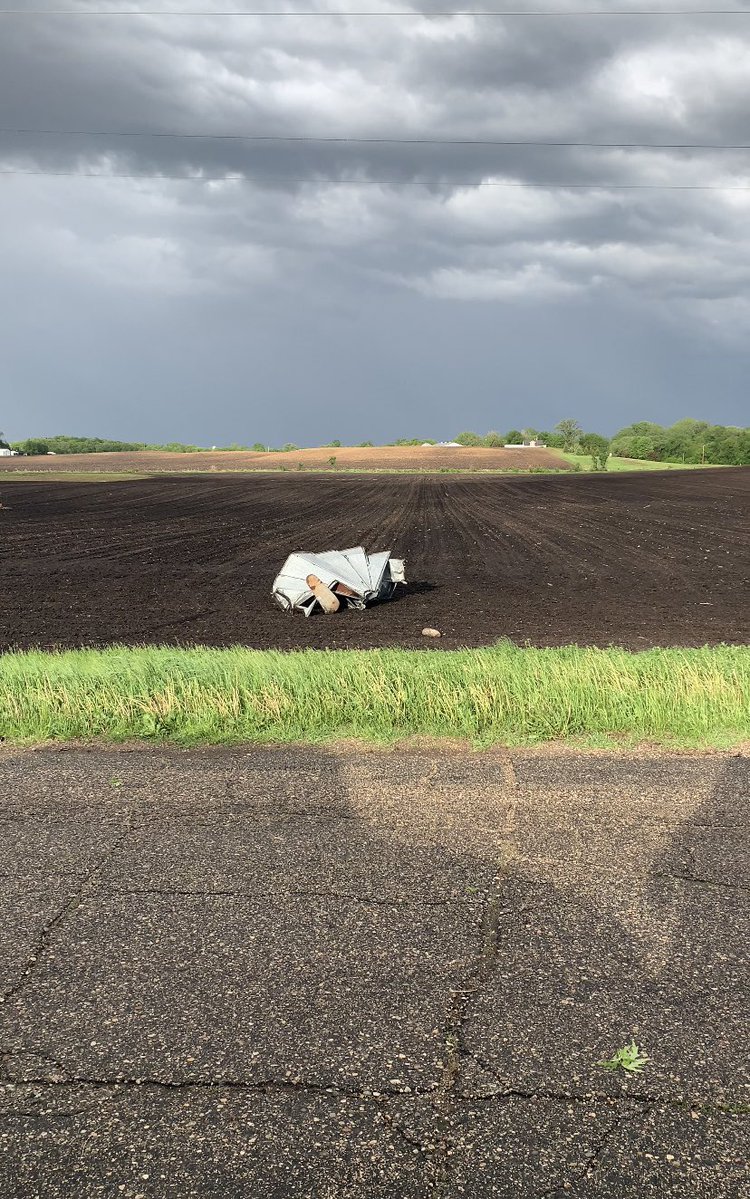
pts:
pixel 100 445
pixel 566 435
pixel 686 441
pixel 689 441
pixel 72 445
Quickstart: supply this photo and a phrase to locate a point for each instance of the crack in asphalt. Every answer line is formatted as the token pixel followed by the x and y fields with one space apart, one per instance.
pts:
pixel 427 1149
pixel 266 816
pixel 479 975
pixel 374 1094
pixel 263 1086
pixel 22 1115
pixel 704 882
pixel 592 1162
pixel 376 901
pixel 69 906
pixel 641 1100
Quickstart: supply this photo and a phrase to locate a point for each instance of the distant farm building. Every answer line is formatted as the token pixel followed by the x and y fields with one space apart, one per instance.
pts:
pixel 528 444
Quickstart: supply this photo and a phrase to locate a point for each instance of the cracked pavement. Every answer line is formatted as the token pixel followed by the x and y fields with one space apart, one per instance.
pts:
pixel 330 972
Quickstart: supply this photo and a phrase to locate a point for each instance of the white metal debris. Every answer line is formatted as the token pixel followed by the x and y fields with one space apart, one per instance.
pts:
pixel 338 578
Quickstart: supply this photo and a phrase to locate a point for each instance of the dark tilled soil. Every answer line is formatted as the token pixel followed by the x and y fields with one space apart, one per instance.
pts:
pixel 633 560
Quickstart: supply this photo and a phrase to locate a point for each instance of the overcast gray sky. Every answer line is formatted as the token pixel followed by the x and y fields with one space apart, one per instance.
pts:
pixel 282 304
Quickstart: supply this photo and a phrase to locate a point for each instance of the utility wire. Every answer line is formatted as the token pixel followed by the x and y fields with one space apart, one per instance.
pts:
pixel 380 141
pixel 423 16
pixel 328 182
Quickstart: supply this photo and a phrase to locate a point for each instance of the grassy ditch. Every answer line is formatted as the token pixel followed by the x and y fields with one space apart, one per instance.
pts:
pixel 687 697
pixel 635 464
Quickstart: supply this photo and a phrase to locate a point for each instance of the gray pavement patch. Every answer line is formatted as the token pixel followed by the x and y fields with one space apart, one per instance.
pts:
pixel 519 1146
pixel 646 779
pixel 146 1143
pixel 597 925
pixel 183 988
pixel 577 844
pixel 52 784
pixel 585 965
pixel 243 780
pixel 40 847
pixel 721 858
pixel 672 1152
pixel 275 857
pixel 28 909
pixel 547 1042
pixel 297 972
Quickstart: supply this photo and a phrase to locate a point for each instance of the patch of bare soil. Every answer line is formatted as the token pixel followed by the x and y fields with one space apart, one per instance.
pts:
pixel 410 458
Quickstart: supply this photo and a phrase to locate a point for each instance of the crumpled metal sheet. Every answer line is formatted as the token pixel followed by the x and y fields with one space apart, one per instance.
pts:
pixel 351 577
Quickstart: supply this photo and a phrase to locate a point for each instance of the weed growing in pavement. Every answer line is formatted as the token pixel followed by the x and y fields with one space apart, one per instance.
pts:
pixel 628 1058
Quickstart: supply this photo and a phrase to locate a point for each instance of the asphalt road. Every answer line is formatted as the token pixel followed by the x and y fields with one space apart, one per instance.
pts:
pixel 291 973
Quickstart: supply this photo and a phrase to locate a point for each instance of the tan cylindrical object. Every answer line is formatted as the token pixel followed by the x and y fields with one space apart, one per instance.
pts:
pixel 323 594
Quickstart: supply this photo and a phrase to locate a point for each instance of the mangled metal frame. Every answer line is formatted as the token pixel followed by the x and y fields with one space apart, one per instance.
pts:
pixel 336 579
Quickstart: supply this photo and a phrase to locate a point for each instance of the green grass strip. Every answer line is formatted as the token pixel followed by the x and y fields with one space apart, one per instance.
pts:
pixel 631 464
pixel 504 694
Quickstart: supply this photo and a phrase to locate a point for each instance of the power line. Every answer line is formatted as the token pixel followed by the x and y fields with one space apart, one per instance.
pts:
pixel 329 182
pixel 380 141
pixel 424 16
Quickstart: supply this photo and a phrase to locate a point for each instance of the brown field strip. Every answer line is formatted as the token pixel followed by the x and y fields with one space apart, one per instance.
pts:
pixel 409 458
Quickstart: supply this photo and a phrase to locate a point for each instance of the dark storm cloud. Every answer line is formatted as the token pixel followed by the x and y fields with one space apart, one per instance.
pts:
pixel 246 259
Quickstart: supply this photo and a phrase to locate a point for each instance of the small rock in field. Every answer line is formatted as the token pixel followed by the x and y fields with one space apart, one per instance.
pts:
pixel 431 633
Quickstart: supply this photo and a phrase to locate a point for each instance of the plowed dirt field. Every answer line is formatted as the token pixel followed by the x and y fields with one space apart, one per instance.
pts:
pixel 435 457
pixel 634 560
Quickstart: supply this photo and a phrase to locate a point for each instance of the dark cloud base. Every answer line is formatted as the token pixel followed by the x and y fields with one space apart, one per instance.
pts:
pixel 280 309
